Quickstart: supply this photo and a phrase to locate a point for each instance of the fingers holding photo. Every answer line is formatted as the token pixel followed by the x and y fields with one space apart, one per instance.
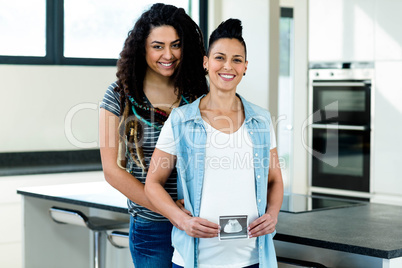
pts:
pixel 201 228
pixel 262 226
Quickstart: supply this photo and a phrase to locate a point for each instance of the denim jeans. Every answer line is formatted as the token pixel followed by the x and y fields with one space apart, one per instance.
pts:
pixel 150 243
pixel 251 266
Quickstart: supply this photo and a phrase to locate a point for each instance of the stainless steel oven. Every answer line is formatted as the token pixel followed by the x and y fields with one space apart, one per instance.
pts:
pixel 340 128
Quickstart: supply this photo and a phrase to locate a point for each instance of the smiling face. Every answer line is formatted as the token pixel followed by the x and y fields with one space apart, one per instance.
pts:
pixel 226 64
pixel 163 50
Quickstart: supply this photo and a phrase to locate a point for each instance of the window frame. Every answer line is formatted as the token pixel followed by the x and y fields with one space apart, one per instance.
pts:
pixel 55 40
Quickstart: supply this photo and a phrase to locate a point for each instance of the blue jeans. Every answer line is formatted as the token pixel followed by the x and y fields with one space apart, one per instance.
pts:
pixel 251 266
pixel 150 243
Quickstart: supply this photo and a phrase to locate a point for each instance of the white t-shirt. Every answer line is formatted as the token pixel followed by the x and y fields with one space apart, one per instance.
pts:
pixel 228 190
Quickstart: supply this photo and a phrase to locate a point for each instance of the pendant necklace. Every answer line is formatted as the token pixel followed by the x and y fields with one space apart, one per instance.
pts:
pixel 134 103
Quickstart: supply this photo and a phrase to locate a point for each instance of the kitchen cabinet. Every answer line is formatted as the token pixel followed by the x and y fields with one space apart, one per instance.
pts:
pixel 387 130
pixel 388 35
pixel 341 30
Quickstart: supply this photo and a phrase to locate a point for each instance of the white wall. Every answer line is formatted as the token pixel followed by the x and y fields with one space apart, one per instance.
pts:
pixel 36 100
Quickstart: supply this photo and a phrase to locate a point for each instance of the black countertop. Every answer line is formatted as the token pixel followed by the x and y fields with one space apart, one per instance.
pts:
pixel 370 229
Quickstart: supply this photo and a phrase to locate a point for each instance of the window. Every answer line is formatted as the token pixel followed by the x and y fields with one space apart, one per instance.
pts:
pixel 23 28
pixel 98 28
pixel 74 32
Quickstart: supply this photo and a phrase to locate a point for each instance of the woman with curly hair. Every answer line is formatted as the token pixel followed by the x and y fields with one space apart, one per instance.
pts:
pixel 160 68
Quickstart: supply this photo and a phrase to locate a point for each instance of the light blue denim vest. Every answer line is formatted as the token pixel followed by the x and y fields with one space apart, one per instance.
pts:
pixel 190 138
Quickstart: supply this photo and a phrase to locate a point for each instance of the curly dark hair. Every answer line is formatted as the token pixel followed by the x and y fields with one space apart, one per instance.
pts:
pixel 189 79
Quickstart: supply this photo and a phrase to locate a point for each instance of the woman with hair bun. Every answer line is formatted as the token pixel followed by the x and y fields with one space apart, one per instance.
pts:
pixel 225 152
pixel 160 68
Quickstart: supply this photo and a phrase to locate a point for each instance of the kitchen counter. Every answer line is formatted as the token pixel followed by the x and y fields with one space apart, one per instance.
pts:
pixel 91 194
pixel 48 244
pixel 371 230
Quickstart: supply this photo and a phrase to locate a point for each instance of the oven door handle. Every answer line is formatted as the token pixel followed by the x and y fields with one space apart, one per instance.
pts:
pixel 341 127
pixel 339 84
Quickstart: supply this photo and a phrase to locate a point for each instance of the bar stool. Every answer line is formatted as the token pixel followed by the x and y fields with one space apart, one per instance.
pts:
pixel 119 239
pixel 96 224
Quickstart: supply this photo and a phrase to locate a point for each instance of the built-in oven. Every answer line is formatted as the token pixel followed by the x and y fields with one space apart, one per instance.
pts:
pixel 346 167
pixel 340 128
pixel 342 101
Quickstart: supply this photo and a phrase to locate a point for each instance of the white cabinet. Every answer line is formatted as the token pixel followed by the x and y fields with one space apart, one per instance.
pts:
pixel 388 34
pixel 387 129
pixel 341 30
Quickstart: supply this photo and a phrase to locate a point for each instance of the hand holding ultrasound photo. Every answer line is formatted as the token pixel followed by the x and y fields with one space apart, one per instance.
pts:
pixel 233 227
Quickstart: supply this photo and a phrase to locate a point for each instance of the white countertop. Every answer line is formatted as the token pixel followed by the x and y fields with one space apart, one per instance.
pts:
pixel 91 194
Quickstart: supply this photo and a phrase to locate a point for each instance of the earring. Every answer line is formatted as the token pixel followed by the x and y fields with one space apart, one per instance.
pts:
pixel 244 74
pixel 206 70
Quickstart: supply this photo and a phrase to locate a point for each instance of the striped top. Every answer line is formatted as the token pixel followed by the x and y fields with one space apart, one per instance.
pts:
pixel 111 102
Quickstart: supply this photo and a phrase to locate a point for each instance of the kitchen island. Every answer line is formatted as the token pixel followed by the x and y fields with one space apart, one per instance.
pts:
pixel 47 244
pixel 368 235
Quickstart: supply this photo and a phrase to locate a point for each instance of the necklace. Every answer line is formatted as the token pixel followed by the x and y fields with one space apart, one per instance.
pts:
pixel 158 112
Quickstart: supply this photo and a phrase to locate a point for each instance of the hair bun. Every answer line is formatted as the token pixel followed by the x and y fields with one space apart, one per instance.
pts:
pixel 230 28
pixel 233 27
